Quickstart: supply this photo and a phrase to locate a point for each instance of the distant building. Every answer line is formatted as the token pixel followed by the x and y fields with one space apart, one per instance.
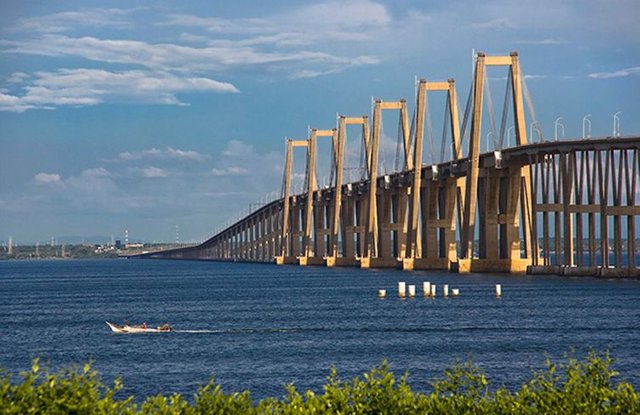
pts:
pixel 118 244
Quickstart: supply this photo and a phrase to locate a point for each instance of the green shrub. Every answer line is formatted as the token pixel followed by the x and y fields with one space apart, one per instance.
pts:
pixel 69 391
pixel 584 386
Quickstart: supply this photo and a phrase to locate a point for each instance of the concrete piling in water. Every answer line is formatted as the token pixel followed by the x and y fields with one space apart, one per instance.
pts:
pixel 498 290
pixel 445 290
pixel 412 290
pixel 433 290
pixel 382 293
pixel 402 289
pixel 455 292
pixel 426 288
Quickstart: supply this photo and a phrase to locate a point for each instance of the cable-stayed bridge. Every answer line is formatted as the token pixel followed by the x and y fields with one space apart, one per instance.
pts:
pixel 566 207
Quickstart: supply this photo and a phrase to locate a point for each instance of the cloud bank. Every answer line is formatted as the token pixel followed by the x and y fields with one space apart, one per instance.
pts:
pixel 82 87
pixel 135 70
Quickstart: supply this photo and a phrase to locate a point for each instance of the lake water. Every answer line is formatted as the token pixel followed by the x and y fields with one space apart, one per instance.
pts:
pixel 259 327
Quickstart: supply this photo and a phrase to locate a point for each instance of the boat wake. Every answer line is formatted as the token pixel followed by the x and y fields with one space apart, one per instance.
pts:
pixel 241 330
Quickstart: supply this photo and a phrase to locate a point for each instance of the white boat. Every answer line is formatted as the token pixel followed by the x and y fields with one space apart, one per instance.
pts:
pixel 127 329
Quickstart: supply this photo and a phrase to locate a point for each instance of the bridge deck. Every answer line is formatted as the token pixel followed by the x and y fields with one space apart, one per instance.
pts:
pixel 581 189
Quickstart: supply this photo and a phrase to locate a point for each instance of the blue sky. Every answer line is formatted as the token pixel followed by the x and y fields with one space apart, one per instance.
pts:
pixel 147 115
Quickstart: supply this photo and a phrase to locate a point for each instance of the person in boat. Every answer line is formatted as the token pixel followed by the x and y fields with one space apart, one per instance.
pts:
pixel 144 325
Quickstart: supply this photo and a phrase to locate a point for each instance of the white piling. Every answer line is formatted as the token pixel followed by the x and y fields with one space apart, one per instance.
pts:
pixel 382 293
pixel 498 290
pixel 433 290
pixel 402 289
pixel 455 292
pixel 426 288
pixel 445 290
pixel 412 290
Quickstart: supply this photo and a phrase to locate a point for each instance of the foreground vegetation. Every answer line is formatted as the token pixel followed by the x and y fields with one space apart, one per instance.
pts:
pixel 584 386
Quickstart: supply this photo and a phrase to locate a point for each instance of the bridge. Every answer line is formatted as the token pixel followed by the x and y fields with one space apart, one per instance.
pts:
pixel 559 207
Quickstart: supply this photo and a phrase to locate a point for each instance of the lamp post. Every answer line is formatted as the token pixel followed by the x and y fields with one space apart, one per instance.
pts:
pixel 616 124
pixel 535 124
pixel 490 133
pixel 556 125
pixel 586 122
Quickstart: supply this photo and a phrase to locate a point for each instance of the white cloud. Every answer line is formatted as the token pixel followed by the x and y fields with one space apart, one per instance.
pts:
pixel 17 77
pixel 65 21
pixel 218 25
pixel 81 87
pixel 47 178
pixel 616 74
pixel 152 172
pixel 236 148
pixel 167 154
pixel 310 73
pixel 230 171
pixel 186 154
pixel 343 20
pixel 128 156
pixel 95 181
pixel 226 44
pixel 12 103
pixel 96 172
pixel 164 57
pixel 124 195
pixel 191 38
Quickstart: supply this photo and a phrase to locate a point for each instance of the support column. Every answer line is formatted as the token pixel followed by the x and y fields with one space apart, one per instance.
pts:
pixel 566 168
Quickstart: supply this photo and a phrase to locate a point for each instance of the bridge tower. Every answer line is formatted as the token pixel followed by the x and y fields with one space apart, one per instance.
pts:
pixel 289 249
pixel 502 194
pixel 380 225
pixel 315 228
pixel 434 246
pixel 342 215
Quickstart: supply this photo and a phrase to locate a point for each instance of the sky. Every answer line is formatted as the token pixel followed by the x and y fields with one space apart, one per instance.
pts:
pixel 168 119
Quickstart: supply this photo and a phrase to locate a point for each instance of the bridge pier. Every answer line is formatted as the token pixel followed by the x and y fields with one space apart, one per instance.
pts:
pixel 442 264
pixel 375 262
pixel 286 260
pixel 342 262
pixel 480 265
pixel 310 260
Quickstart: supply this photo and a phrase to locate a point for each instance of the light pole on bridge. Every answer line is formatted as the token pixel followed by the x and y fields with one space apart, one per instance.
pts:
pixel 586 122
pixel 616 124
pixel 536 125
pixel 556 125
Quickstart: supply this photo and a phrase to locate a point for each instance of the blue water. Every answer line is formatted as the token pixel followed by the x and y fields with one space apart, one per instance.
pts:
pixel 260 327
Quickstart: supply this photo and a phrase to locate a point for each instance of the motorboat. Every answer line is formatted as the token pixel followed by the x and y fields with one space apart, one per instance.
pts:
pixel 142 328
